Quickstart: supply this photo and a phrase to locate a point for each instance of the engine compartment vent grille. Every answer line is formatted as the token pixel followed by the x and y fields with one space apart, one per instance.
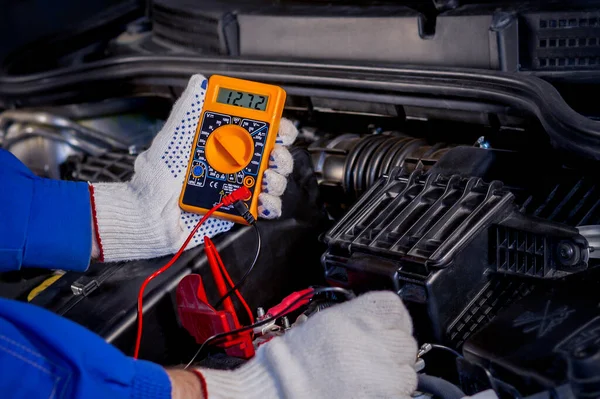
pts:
pixel 520 252
pixel 561 40
pixel 568 23
pixel 495 296
pixel 426 217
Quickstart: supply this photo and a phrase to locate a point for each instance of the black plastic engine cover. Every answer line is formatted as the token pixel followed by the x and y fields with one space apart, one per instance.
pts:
pixel 547 339
pixel 448 245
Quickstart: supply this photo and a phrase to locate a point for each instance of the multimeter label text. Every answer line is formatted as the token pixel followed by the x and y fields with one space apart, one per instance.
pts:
pixel 207 186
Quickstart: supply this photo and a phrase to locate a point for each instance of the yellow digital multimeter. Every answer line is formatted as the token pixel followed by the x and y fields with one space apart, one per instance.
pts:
pixel 235 135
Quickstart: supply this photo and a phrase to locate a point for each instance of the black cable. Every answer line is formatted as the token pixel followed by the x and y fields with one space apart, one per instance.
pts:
pixel 247 273
pixel 497 385
pixel 447 349
pixel 316 291
pixel 438 387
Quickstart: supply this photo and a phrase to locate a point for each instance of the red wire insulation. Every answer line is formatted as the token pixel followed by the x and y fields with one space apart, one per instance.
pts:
pixel 95 221
pixel 212 255
pixel 237 292
pixel 291 302
pixel 140 301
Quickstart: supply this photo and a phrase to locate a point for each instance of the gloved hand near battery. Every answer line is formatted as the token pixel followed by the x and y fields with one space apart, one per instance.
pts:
pixel 142 218
pixel 360 349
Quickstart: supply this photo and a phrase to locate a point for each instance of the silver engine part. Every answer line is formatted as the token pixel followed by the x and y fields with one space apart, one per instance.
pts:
pixel 44 141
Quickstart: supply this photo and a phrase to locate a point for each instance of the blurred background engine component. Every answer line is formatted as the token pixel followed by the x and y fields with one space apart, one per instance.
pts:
pixel 90 142
pixel 353 163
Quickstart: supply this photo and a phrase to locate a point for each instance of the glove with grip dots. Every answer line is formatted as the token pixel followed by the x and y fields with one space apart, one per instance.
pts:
pixel 142 219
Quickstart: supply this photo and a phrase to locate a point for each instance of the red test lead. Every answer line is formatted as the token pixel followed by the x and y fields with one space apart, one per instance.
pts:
pixel 237 195
pixel 291 302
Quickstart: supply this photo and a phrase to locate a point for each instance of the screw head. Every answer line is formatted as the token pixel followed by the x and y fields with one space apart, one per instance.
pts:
pixel 568 254
pixel 565 251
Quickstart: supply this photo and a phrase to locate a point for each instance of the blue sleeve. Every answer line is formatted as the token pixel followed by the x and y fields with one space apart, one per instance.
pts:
pixel 43 223
pixel 45 356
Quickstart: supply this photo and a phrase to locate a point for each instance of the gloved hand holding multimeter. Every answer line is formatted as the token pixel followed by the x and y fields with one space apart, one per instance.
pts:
pixel 234 138
pixel 220 136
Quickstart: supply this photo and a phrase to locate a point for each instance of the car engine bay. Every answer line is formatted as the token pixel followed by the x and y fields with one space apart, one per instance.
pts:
pixel 471 193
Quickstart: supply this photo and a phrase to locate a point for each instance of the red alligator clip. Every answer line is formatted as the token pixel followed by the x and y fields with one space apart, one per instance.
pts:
pixel 278 310
pixel 203 321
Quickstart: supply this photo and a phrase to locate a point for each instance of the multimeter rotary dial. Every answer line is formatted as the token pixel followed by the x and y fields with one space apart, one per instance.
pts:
pixel 229 149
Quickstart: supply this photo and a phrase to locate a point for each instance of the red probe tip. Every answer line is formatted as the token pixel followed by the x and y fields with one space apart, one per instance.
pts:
pixel 241 194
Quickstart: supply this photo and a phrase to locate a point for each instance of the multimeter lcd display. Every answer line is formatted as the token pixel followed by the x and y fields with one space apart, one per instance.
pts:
pixel 242 99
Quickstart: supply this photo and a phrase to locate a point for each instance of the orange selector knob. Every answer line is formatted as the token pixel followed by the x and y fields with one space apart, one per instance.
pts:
pixel 229 149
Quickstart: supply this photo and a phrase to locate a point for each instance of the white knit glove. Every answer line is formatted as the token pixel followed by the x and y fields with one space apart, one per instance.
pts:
pixel 142 219
pixel 360 349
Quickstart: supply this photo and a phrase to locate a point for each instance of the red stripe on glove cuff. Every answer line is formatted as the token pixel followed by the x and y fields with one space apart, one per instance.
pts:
pixel 95 221
pixel 202 383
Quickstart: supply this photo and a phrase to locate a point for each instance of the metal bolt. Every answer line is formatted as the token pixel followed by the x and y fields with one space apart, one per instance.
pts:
pixel 568 254
pixel 286 323
pixel 77 290
pixel 565 250
pixel 501 20
pixel 260 313
pixel 483 143
pixel 425 348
